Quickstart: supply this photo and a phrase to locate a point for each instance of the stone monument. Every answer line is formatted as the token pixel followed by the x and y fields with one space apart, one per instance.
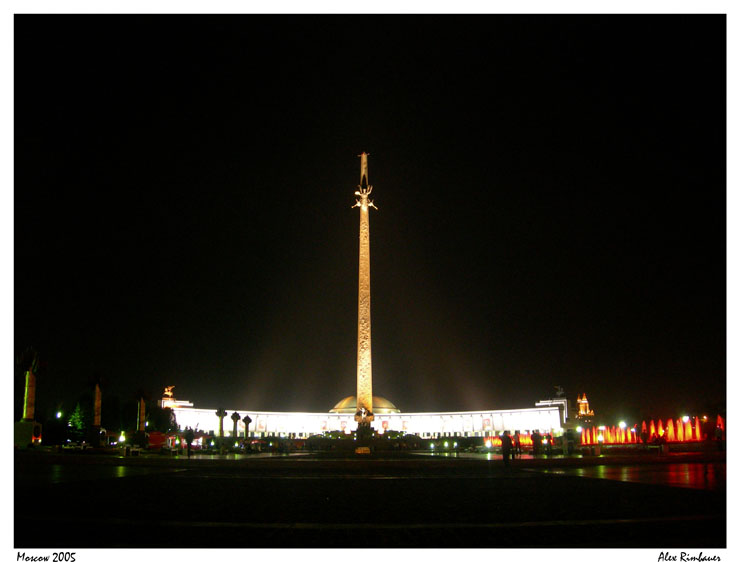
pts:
pixel 27 431
pixel 364 414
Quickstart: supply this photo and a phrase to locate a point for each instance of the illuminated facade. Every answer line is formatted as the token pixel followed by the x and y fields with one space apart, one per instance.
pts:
pixel 561 403
pixel 584 413
pixel 427 424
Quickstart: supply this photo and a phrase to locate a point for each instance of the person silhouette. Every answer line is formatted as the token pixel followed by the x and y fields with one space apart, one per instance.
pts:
pixel 506 447
pixel 189 437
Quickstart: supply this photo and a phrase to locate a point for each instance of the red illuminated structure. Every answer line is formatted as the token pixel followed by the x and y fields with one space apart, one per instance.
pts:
pixel 677 431
pixel 524 439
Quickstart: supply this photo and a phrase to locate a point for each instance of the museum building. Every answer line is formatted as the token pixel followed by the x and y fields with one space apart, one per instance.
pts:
pixel 481 423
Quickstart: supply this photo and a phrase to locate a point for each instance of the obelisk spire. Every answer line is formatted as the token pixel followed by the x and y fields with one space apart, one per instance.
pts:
pixel 364 414
pixel 363 169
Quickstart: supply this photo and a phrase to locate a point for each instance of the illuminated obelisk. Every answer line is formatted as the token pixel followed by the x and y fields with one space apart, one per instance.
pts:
pixel 364 413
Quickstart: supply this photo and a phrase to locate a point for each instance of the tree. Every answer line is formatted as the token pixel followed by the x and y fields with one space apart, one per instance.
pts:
pixel 77 423
pixel 161 419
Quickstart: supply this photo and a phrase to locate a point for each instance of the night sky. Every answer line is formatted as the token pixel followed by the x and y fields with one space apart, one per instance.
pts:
pixel 551 195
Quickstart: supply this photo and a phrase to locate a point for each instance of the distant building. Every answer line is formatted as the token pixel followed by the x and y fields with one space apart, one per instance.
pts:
pixel 560 403
pixel 172 403
pixel 585 414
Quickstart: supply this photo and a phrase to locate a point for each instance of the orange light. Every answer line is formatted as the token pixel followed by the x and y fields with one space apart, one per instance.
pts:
pixel 670 433
pixel 679 431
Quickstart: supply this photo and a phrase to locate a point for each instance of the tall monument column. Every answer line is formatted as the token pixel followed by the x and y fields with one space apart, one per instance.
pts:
pixel 29 400
pixel 27 431
pixel 364 414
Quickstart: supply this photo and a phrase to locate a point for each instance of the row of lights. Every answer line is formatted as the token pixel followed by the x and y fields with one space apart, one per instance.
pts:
pixel 623 424
pixel 446 445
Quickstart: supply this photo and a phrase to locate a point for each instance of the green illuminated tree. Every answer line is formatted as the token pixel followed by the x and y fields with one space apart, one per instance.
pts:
pixel 77 423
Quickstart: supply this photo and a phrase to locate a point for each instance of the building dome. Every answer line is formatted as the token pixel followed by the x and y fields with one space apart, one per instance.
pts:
pixel 349 406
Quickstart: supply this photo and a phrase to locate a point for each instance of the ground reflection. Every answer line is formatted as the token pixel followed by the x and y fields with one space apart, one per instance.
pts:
pixel 701 476
pixel 61 474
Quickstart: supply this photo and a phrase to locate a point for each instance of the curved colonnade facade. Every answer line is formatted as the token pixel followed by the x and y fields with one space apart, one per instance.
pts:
pixel 426 424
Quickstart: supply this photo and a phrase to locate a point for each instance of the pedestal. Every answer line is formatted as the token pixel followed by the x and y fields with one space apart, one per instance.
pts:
pixel 26 432
pixel 364 432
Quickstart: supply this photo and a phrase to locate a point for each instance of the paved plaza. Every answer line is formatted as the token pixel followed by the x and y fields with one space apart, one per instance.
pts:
pixel 416 501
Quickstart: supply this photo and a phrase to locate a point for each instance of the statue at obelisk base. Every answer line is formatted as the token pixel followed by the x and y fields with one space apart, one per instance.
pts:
pixel 364 414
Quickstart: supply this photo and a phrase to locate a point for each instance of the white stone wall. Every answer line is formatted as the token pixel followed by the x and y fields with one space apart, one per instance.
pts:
pixel 428 424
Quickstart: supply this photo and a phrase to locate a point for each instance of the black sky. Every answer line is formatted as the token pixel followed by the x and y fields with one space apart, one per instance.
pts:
pixel 551 191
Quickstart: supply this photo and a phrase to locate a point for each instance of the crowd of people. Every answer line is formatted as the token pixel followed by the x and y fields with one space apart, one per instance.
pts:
pixel 511 446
